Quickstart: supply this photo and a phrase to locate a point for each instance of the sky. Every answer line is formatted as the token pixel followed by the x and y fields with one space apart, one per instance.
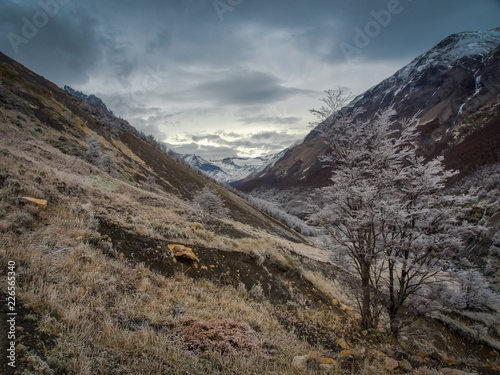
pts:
pixel 223 78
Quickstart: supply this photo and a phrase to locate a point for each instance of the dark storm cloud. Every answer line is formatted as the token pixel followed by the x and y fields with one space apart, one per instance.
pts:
pixel 208 152
pixel 66 49
pixel 246 88
pixel 261 119
pixel 259 53
pixel 414 27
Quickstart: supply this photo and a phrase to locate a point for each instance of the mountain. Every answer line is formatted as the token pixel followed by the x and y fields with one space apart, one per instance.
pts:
pixel 232 170
pixel 454 88
pixel 139 160
pixel 114 269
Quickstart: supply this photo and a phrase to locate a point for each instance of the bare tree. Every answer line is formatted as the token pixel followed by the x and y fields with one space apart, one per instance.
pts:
pixel 386 210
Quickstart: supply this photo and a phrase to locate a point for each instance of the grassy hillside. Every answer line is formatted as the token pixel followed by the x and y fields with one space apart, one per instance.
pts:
pixel 102 289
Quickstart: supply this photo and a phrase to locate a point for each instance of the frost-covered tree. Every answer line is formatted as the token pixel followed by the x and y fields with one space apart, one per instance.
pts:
pixel 469 290
pixel 107 164
pixel 93 152
pixel 210 203
pixel 333 102
pixel 386 211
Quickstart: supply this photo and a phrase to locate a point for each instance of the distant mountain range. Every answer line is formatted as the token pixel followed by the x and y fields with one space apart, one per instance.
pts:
pixel 233 170
pixel 455 88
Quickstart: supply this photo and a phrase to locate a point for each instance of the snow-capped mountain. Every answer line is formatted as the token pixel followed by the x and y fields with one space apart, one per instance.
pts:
pixel 228 170
pixel 446 86
pixel 233 170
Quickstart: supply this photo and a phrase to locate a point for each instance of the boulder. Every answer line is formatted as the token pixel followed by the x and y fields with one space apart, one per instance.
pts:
pixel 405 365
pixel 343 344
pixel 40 203
pixel 390 364
pixel 183 253
pixel 300 362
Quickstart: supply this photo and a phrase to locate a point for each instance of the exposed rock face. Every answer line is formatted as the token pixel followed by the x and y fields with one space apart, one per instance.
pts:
pixel 447 85
pixel 40 203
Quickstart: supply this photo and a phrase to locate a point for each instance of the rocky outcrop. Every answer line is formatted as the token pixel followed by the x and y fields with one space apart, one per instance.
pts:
pixel 183 254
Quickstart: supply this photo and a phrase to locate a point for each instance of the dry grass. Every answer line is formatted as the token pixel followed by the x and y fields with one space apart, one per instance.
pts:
pixel 110 316
pixel 106 312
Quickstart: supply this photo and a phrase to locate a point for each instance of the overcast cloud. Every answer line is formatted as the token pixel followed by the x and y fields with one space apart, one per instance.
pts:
pixel 225 80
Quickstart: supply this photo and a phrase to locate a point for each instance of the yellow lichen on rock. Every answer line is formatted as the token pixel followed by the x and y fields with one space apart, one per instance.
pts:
pixel 40 203
pixel 183 253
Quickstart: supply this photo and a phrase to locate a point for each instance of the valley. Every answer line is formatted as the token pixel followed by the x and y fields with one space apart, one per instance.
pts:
pixel 119 272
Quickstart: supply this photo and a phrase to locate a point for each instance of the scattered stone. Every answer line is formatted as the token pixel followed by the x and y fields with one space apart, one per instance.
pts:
pixel 346 354
pixel 300 362
pixel 494 353
pixel 40 203
pixel 379 355
pixel 20 329
pixel 21 348
pixel 405 365
pixel 326 361
pixel 343 344
pixel 453 371
pixel 436 356
pixel 390 364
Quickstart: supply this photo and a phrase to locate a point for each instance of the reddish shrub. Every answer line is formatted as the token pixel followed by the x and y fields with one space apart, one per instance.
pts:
pixel 224 336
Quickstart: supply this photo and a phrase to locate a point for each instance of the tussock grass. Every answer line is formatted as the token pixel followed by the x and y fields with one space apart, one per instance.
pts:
pixel 105 311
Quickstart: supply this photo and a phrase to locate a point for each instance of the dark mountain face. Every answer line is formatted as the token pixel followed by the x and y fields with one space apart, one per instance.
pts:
pixel 455 88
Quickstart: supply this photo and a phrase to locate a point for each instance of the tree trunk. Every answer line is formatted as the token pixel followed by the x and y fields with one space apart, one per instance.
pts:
pixel 394 324
pixel 366 314
pixel 392 309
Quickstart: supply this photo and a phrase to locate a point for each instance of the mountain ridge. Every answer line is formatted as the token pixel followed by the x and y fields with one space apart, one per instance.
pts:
pixel 446 84
pixel 232 170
